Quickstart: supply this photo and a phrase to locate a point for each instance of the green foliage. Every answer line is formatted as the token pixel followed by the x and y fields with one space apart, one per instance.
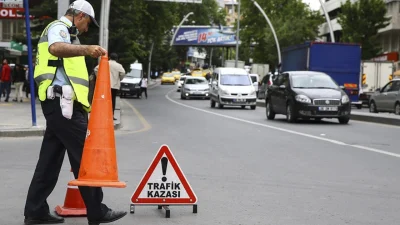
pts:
pixel 361 22
pixel 293 22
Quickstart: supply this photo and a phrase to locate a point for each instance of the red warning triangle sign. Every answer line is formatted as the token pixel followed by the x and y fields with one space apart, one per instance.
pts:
pixel 164 182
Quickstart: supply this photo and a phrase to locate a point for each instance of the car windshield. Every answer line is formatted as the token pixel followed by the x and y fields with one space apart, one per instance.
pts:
pixel 235 80
pixel 134 74
pixel 168 75
pixel 196 81
pixel 313 81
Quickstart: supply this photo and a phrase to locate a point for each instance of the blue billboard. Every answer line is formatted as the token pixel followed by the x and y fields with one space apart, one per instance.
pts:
pixel 205 36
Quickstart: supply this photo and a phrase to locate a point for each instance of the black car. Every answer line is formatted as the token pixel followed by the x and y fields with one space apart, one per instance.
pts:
pixel 307 94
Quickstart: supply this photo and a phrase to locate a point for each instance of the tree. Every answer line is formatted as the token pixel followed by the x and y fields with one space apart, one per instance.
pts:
pixel 294 23
pixel 361 22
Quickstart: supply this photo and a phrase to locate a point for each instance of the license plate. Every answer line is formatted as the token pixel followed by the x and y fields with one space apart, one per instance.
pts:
pixel 137 87
pixel 125 89
pixel 197 93
pixel 240 100
pixel 328 108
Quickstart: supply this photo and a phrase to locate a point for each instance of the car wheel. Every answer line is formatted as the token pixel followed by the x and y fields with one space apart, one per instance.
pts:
pixel 253 107
pixel 372 107
pixel 344 120
pixel 269 111
pixel 212 103
pixel 290 114
pixel 359 106
pixel 243 106
pixel 182 97
pixel 220 106
pixel 397 108
pixel 318 119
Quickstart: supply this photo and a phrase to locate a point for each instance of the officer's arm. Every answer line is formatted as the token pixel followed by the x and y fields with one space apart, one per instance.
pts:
pixel 60 45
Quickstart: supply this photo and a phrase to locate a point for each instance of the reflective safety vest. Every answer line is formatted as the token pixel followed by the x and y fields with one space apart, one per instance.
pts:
pixel 74 67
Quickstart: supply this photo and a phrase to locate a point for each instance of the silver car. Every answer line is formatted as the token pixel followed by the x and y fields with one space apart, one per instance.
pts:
pixel 195 87
pixel 386 99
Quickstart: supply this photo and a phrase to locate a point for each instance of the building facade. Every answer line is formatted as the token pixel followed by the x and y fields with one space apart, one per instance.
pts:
pixel 389 36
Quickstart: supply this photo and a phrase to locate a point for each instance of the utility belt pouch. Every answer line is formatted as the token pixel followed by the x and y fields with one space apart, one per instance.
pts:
pixel 50 93
pixel 67 101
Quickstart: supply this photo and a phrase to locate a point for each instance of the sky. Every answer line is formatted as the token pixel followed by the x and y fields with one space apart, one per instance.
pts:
pixel 314 4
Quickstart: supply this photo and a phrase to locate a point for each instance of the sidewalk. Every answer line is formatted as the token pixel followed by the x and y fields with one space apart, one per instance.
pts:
pixel 16 118
pixel 364 115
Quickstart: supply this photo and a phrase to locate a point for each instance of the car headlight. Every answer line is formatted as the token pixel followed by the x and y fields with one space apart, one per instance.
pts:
pixel 253 93
pixel 303 99
pixel 345 99
pixel 187 89
pixel 207 89
pixel 223 92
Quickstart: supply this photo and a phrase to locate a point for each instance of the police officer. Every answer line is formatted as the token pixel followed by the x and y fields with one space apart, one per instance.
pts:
pixel 60 61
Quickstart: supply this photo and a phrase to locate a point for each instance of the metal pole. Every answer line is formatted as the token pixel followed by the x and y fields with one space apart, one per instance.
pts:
pixel 101 31
pixel 151 53
pixel 328 20
pixel 237 35
pixel 176 31
pixel 272 28
pixel 30 69
pixel 106 22
pixel 62 7
pixel 211 52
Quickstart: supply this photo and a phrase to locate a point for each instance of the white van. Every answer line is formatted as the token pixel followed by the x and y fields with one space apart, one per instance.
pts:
pixel 130 83
pixel 232 87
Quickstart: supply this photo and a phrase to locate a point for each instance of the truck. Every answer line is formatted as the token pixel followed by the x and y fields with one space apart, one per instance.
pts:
pixel 341 61
pixel 374 74
pixel 231 63
pixel 260 69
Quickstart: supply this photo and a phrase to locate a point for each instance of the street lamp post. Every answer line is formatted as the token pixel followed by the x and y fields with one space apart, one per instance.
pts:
pixel 272 28
pixel 328 20
pixel 180 24
pixel 237 36
pixel 104 18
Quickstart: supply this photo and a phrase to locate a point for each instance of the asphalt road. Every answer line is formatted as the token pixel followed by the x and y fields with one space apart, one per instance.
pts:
pixel 243 168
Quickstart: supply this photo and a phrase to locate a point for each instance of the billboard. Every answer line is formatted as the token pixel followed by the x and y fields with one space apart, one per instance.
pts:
pixel 205 36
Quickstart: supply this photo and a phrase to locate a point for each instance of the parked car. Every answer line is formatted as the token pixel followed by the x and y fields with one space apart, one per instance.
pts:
pixel 180 83
pixel 264 84
pixel 307 94
pixel 195 87
pixel 386 99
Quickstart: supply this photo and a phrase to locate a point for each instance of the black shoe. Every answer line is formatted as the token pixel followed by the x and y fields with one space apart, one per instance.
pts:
pixel 48 219
pixel 110 216
pixel 115 119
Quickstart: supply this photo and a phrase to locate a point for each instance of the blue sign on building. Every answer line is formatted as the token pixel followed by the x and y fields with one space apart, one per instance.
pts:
pixel 205 36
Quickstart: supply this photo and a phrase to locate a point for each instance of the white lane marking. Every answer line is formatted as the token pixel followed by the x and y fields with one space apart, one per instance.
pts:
pixel 286 130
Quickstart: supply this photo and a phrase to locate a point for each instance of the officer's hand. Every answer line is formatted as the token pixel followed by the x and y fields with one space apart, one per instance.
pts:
pixel 96 51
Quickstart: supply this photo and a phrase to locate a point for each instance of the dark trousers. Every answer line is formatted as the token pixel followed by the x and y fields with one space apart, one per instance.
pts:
pixel 143 89
pixel 61 134
pixel 113 97
pixel 5 87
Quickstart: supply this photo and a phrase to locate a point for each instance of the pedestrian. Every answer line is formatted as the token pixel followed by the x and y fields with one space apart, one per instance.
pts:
pixel 143 86
pixel 5 80
pixel 60 65
pixel 19 79
pixel 117 73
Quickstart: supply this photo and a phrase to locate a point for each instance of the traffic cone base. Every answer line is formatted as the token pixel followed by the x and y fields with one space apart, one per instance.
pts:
pixel 73 204
pixel 92 183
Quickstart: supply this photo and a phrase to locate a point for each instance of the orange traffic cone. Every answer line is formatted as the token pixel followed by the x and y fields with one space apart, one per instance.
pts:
pixel 73 204
pixel 99 159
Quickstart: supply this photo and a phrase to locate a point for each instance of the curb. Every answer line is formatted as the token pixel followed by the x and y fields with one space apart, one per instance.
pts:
pixel 365 118
pixel 38 132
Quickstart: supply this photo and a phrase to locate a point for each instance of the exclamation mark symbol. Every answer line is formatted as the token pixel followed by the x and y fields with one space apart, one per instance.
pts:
pixel 164 163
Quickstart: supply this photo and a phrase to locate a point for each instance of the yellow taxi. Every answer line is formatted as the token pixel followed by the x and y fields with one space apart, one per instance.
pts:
pixel 197 73
pixel 206 71
pixel 177 75
pixel 167 78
